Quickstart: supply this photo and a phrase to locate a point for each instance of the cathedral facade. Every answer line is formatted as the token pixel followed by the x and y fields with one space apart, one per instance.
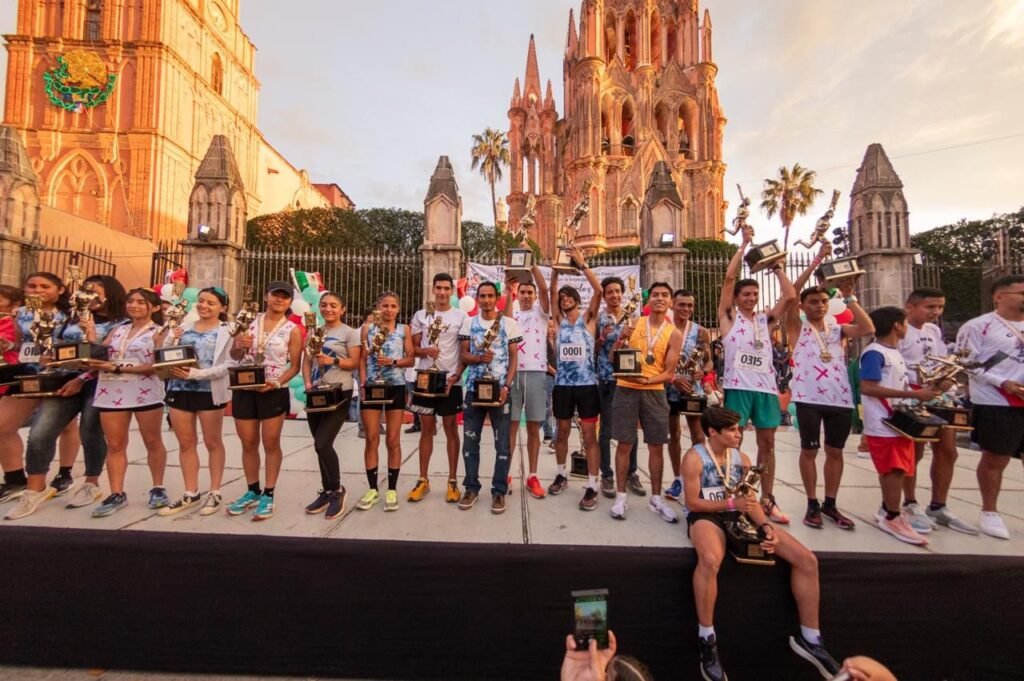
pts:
pixel 117 102
pixel 638 88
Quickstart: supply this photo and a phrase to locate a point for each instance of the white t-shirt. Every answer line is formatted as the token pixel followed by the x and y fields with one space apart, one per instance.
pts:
pixel 447 342
pixel 884 365
pixel 748 367
pixel 984 337
pixel 816 381
pixel 918 344
pixel 533 351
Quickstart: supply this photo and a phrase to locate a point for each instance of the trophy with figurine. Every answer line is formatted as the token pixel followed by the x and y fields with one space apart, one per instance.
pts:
pixel 487 387
pixel 173 355
pixel 519 260
pixel 626 361
pixel 322 396
pixel 691 367
pixel 432 381
pixel 762 256
pixel 48 381
pixel 249 374
pixel 841 266
pixel 946 372
pixel 75 355
pixel 564 261
pixel 376 389
pixel 742 536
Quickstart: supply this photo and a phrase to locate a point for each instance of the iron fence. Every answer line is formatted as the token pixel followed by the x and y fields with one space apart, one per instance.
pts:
pixel 169 256
pixel 358 275
pixel 52 254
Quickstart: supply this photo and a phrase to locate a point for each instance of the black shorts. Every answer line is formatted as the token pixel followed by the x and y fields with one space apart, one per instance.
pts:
pixel 133 410
pixel 396 400
pixel 717 518
pixel 251 405
pixel 567 400
pixel 999 430
pixel 192 401
pixel 445 405
pixel 837 420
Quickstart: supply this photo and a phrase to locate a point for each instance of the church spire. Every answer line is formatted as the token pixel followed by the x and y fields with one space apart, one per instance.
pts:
pixel 531 86
pixel 876 171
pixel 549 97
pixel 516 95
pixel 572 40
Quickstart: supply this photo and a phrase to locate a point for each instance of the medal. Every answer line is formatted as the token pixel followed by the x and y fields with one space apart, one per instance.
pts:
pixel 259 358
pixel 650 358
pixel 758 345
pixel 826 356
pixel 651 340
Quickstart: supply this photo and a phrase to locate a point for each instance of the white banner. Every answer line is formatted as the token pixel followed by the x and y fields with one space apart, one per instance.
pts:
pixel 477 273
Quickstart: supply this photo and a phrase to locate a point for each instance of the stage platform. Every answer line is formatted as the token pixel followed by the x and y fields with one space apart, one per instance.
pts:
pixel 432 592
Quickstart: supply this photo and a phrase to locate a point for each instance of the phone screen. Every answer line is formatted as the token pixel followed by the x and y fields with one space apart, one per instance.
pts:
pixel 590 618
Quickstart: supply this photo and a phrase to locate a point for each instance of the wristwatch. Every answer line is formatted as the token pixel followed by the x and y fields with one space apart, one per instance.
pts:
pixel 117 369
pixel 851 299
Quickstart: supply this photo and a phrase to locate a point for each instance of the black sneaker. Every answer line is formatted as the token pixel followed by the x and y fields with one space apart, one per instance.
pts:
pixel 62 483
pixel 816 654
pixel 589 500
pixel 320 503
pixel 813 517
pixel 11 491
pixel 336 503
pixel 710 665
pixel 559 485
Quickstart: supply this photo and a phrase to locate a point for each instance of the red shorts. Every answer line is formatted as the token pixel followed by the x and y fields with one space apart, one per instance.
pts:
pixel 892 454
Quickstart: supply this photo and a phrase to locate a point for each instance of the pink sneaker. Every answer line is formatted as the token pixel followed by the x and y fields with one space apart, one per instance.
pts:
pixel 772 510
pixel 901 529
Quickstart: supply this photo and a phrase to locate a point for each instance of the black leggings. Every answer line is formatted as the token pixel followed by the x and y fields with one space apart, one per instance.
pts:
pixel 325 426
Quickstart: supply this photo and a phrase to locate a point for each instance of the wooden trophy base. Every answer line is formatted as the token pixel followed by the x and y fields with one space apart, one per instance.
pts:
pixel 919 426
pixel 744 544
pixel 172 357
pixel 518 265
pixel 956 418
pixel 9 374
pixel 840 269
pixel 487 392
pixel 323 399
pixel 693 405
pixel 564 263
pixel 764 256
pixel 431 383
pixel 74 356
pixel 247 378
pixel 626 363
pixel 42 384
pixel 376 393
pixel 578 465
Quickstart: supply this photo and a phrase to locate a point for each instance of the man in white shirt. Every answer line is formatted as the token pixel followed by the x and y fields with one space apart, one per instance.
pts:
pixel 447 406
pixel 997 392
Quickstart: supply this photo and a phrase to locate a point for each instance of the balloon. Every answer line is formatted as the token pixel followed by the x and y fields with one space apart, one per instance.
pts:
pixel 167 291
pixel 300 306
pixel 836 306
pixel 501 303
pixel 645 295
pixel 497 285
pixel 845 317
pixel 191 295
pixel 466 304
pixel 297 407
pixel 311 296
pixel 792 412
pixel 454 302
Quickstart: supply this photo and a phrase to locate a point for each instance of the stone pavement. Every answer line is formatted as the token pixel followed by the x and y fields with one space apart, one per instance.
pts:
pixel 553 520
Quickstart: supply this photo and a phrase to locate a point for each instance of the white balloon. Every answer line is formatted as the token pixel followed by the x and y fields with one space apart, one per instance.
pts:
pixel 300 306
pixel 836 306
pixel 466 304
pixel 192 317
pixel 167 291
pixel 297 408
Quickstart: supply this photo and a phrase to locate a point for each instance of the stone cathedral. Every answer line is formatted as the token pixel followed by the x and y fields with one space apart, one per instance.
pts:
pixel 638 89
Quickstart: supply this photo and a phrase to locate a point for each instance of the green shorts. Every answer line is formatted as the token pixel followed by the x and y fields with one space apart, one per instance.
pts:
pixel 761 408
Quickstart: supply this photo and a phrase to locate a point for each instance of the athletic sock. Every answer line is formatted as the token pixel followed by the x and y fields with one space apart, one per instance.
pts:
pixel 191 495
pixel 830 502
pixel 16 477
pixel 890 515
pixel 620 496
pixel 64 471
pixel 254 487
pixel 811 635
pixel 936 506
pixel 908 502
pixel 592 482
pixel 705 632
pixel 371 477
pixel 679 479
pixel 393 478
pixel 812 504
pixel 561 470
pixel 269 492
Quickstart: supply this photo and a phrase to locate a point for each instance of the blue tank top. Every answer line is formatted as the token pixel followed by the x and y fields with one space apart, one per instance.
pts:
pixel 610 332
pixel 575 353
pixel 394 348
pixel 689 343
pixel 712 487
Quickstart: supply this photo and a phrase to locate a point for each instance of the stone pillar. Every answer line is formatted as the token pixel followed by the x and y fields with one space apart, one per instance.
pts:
pixel 19 208
pixel 889 279
pixel 442 228
pixel 662 213
pixel 216 223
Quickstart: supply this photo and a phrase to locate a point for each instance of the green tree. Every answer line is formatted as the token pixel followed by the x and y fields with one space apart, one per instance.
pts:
pixel 391 229
pixel 790 194
pixel 485 244
pixel 490 153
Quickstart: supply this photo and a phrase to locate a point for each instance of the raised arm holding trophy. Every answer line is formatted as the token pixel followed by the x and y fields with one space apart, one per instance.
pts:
pixel 564 261
pixel 519 261
pixel 762 256
pixel 842 267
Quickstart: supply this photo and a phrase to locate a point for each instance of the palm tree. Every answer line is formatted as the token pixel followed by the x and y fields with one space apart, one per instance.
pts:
pixel 490 153
pixel 790 194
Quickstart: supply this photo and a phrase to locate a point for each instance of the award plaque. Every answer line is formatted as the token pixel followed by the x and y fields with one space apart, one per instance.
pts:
pixel 42 384
pixel 431 382
pixel 519 264
pixel 956 418
pixel 173 356
pixel 376 392
pixel 693 405
pixel 915 423
pixel 840 269
pixel 487 392
pixel 578 465
pixel 73 356
pixel 323 399
pixel 764 256
pixel 626 363
pixel 247 377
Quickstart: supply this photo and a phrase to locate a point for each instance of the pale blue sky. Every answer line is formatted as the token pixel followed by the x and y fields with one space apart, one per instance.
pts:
pixel 369 94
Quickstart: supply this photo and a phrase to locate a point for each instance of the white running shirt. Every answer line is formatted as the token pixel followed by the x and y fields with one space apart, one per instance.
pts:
pixel 816 381
pixel 746 367
pixel 983 337
pixel 919 343
pixel 885 365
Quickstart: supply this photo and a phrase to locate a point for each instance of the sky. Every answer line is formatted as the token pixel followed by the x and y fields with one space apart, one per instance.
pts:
pixel 370 94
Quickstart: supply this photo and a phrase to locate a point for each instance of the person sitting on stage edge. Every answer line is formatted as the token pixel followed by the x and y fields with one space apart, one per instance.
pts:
pixel 708 469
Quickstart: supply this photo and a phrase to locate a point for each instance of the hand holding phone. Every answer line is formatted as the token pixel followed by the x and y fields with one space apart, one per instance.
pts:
pixel 590 618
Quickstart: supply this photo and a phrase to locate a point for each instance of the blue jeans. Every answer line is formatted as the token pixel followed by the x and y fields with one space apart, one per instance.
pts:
pixel 473 426
pixel 549 422
pixel 606 391
pixel 52 417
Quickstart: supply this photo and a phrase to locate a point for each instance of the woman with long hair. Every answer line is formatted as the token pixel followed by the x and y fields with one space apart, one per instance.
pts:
pixel 275 343
pixel 14 411
pixel 200 393
pixel 127 387
pixel 332 367
pixel 388 364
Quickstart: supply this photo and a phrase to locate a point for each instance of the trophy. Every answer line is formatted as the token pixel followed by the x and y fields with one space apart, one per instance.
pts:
pixel 322 396
pixel 763 256
pixel 75 355
pixel 248 375
pixel 578 465
pixel 839 268
pixel 626 362
pixel 376 387
pixel 173 355
pixel 946 369
pixel 563 260
pixel 433 381
pixel 742 537
pixel 519 261
pixel 487 387
pixel 912 420
pixel 690 366
pixel 47 382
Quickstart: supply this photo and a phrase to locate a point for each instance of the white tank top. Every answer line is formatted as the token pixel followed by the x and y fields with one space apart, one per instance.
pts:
pixel 817 381
pixel 126 391
pixel 275 352
pixel 748 367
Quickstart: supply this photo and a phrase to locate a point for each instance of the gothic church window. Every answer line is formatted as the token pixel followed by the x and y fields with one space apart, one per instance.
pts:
pixel 655 40
pixel 628 225
pixel 93 20
pixel 611 37
pixel 632 44
pixel 217 75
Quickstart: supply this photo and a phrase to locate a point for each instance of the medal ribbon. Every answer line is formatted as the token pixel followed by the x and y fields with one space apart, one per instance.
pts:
pixel 261 339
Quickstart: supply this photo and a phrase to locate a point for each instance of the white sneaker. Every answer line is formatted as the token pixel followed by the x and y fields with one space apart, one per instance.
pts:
pixel 657 505
pixel 29 502
pixel 947 518
pixel 991 523
pixel 86 495
pixel 619 509
pixel 921 523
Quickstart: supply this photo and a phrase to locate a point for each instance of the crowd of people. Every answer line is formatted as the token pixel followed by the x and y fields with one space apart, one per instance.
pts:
pixel 547 354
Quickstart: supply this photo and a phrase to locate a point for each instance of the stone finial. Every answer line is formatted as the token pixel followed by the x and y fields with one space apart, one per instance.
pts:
pixel 517 95
pixel 532 82
pixel 218 196
pixel 442 182
pixel 219 164
pixel 572 40
pixel 876 172
pixel 549 98
pixel 662 186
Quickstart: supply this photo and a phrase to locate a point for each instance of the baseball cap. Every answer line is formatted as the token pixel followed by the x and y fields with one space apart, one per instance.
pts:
pixel 282 286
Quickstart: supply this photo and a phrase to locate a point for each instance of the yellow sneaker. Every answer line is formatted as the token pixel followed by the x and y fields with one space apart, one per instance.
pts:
pixel 452 494
pixel 420 490
pixel 391 500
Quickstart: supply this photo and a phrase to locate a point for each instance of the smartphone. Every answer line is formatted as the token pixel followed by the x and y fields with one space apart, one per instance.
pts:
pixel 590 618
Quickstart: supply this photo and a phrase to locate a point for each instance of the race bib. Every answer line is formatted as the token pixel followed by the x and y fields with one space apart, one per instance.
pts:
pixel 747 360
pixel 29 353
pixel 572 352
pixel 713 493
